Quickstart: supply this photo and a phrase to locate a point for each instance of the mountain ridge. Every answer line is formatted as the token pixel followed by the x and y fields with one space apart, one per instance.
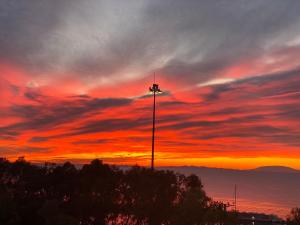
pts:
pixel 277 169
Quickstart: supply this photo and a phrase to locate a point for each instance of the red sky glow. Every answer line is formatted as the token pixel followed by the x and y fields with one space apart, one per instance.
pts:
pixel 74 85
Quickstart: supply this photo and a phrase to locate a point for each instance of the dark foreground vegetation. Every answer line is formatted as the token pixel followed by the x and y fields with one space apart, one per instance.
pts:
pixel 99 194
pixel 294 217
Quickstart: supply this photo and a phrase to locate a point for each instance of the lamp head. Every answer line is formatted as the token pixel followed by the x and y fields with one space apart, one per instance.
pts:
pixel 155 88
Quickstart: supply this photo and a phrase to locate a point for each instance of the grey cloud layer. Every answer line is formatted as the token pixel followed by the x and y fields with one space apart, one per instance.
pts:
pixel 11 150
pixel 191 39
pixel 240 109
pixel 47 116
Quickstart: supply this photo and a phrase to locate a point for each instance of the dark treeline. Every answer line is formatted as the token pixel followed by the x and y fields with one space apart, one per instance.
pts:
pixel 99 194
pixel 294 217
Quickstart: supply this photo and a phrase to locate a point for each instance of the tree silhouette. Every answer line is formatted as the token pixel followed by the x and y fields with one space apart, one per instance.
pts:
pixel 100 194
pixel 294 217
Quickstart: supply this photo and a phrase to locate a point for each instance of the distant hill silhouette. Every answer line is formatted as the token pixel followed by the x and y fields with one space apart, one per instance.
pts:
pixel 277 169
pixel 268 189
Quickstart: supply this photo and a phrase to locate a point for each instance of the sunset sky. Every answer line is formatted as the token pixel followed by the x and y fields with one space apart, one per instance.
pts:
pixel 74 80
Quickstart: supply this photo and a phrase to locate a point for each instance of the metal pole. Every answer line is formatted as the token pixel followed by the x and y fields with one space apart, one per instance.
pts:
pixel 153 131
pixel 235 197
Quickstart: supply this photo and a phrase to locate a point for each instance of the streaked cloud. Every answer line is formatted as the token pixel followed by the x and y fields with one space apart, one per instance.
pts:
pixel 216 82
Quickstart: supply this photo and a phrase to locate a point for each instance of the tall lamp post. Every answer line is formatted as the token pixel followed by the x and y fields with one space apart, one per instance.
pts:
pixel 155 90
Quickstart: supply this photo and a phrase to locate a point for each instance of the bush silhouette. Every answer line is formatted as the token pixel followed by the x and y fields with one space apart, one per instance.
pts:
pixel 100 194
pixel 294 217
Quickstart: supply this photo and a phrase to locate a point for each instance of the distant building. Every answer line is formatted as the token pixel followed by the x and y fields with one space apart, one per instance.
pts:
pixel 259 219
